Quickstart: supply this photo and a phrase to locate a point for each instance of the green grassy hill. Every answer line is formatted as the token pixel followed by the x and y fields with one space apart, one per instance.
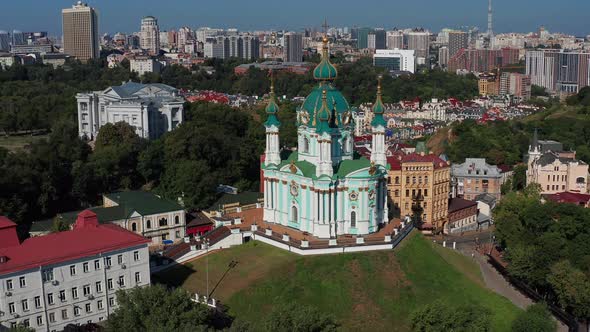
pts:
pixel 374 291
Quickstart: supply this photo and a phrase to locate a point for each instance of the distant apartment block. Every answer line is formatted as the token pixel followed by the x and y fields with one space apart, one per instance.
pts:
pixel 142 65
pixel 558 70
pixel 482 60
pixel 293 51
pixel 151 109
pixel 395 60
pixel 516 85
pixel 150 35
pixel 80 32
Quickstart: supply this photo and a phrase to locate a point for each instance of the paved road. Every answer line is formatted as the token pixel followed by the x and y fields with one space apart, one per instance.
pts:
pixel 495 281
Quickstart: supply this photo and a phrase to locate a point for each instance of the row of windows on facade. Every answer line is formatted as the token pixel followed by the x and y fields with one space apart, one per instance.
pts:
pixel 86 290
pixel 162 222
pixel 48 273
pixel 295 216
pixel 415 180
pixel 65 314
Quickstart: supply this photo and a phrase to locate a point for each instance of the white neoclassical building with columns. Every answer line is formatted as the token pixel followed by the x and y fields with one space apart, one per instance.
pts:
pixel 151 109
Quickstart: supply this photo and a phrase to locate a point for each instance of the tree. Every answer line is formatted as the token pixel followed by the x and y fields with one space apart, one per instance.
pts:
pixel 519 177
pixel 572 287
pixel 155 308
pixel 535 318
pixel 440 316
pixel 59 225
pixel 298 318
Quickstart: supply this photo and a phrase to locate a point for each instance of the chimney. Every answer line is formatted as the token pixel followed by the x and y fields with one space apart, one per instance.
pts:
pixel 86 219
pixel 8 236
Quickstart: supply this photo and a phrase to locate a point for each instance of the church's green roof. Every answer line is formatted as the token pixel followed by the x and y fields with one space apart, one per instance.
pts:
pixel 378 109
pixel 348 166
pixel 272 108
pixel 325 71
pixel 334 99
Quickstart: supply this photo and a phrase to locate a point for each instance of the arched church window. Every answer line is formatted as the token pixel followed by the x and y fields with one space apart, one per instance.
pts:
pixel 353 219
pixel 134 227
pixel 294 216
pixel 306 145
pixel 580 180
pixel 148 224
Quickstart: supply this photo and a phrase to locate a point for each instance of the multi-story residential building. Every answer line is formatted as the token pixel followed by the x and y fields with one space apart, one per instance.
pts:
pixel 395 39
pixel 558 70
pixel 395 60
pixel 4 41
pixel 420 182
pixel 144 64
pixel 362 37
pixel 293 47
pixel 80 32
pixel 143 213
pixel 475 177
pixel 251 47
pixel 49 282
pixel 555 171
pixel 380 39
pixel 245 46
pixel 150 35
pixel 443 56
pixel 458 40
pixel 419 41
pixel 488 84
pixel 482 60
pixel 516 85
pixel 152 109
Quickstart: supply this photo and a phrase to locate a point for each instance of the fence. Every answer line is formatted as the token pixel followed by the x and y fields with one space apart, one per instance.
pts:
pixel 563 316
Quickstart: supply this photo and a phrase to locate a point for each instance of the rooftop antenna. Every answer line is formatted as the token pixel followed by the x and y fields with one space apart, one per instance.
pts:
pixel 490 23
pixel 325 26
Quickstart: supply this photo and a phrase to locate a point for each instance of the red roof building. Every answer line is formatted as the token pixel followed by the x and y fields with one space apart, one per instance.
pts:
pixel 569 197
pixel 48 282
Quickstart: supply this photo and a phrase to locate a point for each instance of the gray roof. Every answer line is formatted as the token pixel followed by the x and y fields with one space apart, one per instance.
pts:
pixel 130 89
pixel 476 167
pixel 486 198
pixel 549 158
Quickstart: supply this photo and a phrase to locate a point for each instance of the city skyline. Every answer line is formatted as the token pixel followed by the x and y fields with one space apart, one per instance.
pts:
pixel 265 14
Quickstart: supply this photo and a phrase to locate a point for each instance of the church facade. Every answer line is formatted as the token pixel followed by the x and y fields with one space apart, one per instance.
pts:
pixel 323 188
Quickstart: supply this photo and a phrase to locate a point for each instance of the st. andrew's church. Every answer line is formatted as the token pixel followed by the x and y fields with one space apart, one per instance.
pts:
pixel 323 188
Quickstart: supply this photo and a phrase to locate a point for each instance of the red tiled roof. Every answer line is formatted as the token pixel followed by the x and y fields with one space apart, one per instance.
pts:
pixel 569 197
pixel 66 246
pixel 419 158
pixel 6 223
pixel 394 163
pixel 456 204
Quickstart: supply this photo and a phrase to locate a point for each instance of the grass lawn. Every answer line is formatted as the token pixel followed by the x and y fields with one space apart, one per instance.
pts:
pixel 14 143
pixel 373 291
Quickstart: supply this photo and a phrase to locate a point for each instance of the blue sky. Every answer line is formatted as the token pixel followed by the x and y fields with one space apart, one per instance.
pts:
pixel 570 16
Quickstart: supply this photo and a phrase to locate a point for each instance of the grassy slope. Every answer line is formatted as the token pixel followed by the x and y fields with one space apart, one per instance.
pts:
pixel 15 143
pixel 374 291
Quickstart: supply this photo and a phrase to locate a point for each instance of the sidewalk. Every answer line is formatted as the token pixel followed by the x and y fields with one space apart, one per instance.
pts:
pixel 496 282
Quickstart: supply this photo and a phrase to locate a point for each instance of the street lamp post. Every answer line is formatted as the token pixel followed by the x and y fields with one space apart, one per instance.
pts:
pixel 207 262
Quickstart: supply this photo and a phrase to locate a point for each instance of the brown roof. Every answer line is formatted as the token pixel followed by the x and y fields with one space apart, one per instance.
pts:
pixel 198 219
pixel 456 204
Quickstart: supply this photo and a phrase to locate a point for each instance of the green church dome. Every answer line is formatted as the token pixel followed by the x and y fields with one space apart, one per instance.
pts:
pixel 325 71
pixel 334 99
pixel 272 108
